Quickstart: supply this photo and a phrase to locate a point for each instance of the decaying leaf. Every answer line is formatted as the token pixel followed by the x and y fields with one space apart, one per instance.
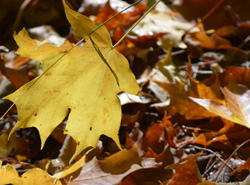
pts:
pixel 75 80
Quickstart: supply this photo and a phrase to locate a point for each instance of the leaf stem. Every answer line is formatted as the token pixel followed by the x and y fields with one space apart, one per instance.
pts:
pixel 139 20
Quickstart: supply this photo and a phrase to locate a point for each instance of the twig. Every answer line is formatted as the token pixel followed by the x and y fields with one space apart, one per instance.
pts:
pixel 211 151
pixel 230 158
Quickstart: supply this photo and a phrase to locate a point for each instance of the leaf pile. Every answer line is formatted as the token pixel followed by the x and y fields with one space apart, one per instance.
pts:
pixel 80 120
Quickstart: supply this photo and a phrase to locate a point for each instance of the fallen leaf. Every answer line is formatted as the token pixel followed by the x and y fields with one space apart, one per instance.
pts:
pixel 163 22
pixel 118 25
pixel 186 171
pixel 240 75
pixel 219 141
pixel 113 169
pixel 213 42
pixel 203 138
pixel 180 103
pixel 17 77
pixel 6 145
pixel 20 61
pixel 8 175
pixel 121 161
pixel 237 107
pixel 200 90
pixel 76 79
pixel 71 169
pixel 216 108
pixel 131 45
pixel 121 20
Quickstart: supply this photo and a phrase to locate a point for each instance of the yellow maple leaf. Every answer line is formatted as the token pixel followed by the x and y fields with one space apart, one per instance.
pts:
pixel 9 175
pixel 75 80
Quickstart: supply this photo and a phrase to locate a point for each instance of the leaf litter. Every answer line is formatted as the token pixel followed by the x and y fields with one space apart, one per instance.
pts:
pixel 182 130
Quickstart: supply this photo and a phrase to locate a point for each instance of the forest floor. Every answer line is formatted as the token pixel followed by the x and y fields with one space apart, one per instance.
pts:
pixel 190 124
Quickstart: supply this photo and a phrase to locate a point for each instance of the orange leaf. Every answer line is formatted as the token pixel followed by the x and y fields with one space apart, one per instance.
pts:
pixel 213 42
pixel 186 171
pixel 180 102
pixel 17 77
pixel 123 19
pixel 240 75
pixel 154 138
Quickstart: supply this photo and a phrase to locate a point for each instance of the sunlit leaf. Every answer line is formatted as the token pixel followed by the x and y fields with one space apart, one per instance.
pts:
pixel 9 175
pixel 76 81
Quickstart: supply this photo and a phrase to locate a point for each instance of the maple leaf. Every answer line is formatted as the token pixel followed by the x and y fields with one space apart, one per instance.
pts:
pixel 75 78
pixel 9 175
pixel 237 109
pixel 111 170
pixel 180 102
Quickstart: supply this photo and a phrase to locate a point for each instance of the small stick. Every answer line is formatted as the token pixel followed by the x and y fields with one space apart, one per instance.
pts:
pixel 211 151
pixel 230 158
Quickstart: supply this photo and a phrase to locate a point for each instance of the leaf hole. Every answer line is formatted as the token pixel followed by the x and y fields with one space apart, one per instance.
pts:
pixel 90 128
pixel 35 114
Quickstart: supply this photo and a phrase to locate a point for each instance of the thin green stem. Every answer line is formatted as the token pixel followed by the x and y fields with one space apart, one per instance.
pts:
pixel 137 22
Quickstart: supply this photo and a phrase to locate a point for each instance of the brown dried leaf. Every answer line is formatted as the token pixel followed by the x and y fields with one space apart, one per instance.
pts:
pixel 186 171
